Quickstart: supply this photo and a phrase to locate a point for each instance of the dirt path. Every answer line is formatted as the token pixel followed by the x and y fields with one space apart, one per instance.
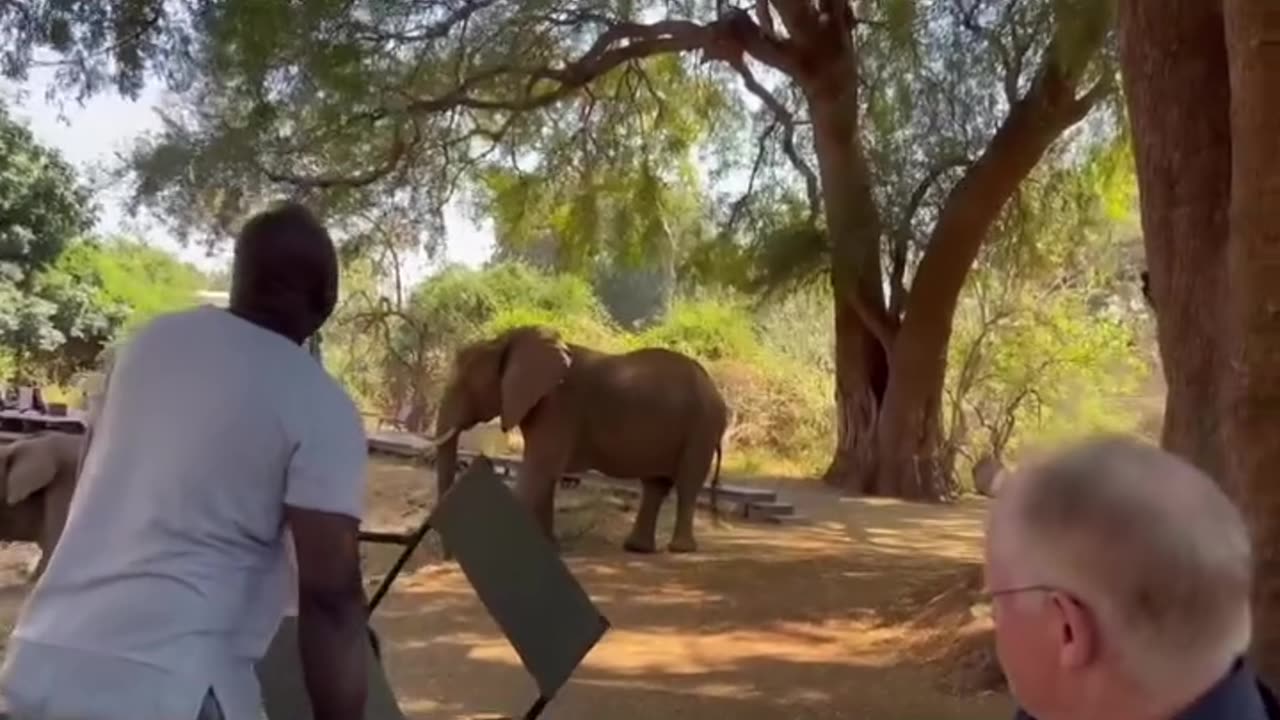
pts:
pixel 803 621
pixel 799 622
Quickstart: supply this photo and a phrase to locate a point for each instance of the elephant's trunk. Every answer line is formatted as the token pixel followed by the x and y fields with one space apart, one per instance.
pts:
pixel 449 426
pixel 446 464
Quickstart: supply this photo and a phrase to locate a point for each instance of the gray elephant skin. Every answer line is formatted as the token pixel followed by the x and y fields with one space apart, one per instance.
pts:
pixel 38 474
pixel 650 414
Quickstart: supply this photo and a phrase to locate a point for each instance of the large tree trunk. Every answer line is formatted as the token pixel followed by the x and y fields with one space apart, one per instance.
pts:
pixel 853 225
pixel 1253 324
pixel 1203 87
pixel 862 372
pixel 1174 65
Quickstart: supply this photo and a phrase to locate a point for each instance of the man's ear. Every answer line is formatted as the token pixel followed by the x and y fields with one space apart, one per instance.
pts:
pixel 1079 637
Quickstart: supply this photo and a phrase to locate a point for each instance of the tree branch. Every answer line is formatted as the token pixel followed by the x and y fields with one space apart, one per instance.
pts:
pixel 1031 126
pixel 736 209
pixel 902 231
pixel 729 36
pixel 398 151
pixel 799 18
pixel 726 39
pixel 430 32
pixel 877 320
pixel 1099 91
pixel 147 25
pixel 787 121
pixel 764 18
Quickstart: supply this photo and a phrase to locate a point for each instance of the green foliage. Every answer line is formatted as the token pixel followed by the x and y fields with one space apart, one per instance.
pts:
pixel 101 42
pixel 388 107
pixel 510 294
pixel 1048 339
pixel 800 326
pixel 130 274
pixel 89 297
pixel 416 337
pixel 782 402
pixel 710 328
pixel 43 206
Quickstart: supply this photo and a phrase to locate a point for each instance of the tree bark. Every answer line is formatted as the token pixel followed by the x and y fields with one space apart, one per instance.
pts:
pixel 909 433
pixel 1252 380
pixel 862 372
pixel 854 229
pixel 1174 67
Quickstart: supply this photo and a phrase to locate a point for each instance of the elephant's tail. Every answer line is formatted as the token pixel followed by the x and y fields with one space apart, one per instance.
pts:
pixel 715 487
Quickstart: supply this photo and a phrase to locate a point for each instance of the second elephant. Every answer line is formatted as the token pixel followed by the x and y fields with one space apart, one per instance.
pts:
pixel 651 414
pixel 38 477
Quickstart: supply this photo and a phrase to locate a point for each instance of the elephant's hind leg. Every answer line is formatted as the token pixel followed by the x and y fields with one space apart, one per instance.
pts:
pixel 688 482
pixel 643 538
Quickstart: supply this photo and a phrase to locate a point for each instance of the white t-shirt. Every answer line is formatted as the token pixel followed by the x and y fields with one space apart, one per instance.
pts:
pixel 173 571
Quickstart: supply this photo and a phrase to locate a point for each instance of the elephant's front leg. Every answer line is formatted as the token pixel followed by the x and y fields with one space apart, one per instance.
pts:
pixel 537 494
pixel 643 538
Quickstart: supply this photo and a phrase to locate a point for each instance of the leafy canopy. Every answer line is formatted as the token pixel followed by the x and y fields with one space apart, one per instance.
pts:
pixel 1049 334
pixel 43 205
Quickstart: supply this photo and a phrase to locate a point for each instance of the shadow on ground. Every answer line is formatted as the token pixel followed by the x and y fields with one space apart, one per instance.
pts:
pixel 809 622
pixel 806 621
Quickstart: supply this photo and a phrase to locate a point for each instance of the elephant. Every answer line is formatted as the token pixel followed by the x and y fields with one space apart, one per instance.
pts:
pixel 652 414
pixel 39 478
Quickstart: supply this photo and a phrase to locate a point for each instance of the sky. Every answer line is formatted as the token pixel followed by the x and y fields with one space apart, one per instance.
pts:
pixel 89 134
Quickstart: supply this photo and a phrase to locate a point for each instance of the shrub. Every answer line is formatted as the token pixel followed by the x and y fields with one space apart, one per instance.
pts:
pixel 781 406
pixel 708 329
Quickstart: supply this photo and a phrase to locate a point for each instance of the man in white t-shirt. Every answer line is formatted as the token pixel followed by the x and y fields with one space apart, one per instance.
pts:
pixel 217 434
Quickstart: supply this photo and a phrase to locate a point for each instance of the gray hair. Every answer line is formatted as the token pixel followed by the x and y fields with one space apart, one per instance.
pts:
pixel 1152 545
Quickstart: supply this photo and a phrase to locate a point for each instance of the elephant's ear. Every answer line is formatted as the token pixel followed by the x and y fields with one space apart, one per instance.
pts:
pixel 535 364
pixel 31 466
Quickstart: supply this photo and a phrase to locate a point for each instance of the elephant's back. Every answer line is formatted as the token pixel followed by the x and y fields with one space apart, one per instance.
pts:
pixel 654 377
pixel 641 409
pixel 700 393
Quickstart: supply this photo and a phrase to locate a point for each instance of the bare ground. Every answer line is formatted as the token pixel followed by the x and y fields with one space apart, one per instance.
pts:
pixel 866 611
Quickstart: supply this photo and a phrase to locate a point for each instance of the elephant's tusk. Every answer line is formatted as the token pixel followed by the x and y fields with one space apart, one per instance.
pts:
pixel 443 438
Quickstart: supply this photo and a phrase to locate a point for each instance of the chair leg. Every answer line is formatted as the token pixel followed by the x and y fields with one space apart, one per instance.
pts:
pixel 535 710
pixel 408 549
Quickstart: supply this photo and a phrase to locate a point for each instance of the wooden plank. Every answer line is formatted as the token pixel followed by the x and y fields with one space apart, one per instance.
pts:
pixel 508 466
pixel 10 435
pixel 738 493
pixel 769 510
pixel 73 417
pixel 385 537
pixel 400 444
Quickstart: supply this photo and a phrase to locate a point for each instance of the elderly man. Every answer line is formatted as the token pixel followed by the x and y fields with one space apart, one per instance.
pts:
pixel 216 434
pixel 1120 579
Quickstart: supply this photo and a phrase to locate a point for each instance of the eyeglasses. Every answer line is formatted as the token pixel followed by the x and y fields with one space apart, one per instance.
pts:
pixel 1070 596
pixel 1021 589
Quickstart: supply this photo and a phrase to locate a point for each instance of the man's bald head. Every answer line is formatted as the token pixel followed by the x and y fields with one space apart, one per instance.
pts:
pixel 1151 544
pixel 285 272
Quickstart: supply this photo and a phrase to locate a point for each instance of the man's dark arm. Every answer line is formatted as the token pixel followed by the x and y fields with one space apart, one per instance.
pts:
pixel 332 620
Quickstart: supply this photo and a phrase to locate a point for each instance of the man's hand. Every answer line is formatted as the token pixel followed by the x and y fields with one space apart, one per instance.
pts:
pixel 332 621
